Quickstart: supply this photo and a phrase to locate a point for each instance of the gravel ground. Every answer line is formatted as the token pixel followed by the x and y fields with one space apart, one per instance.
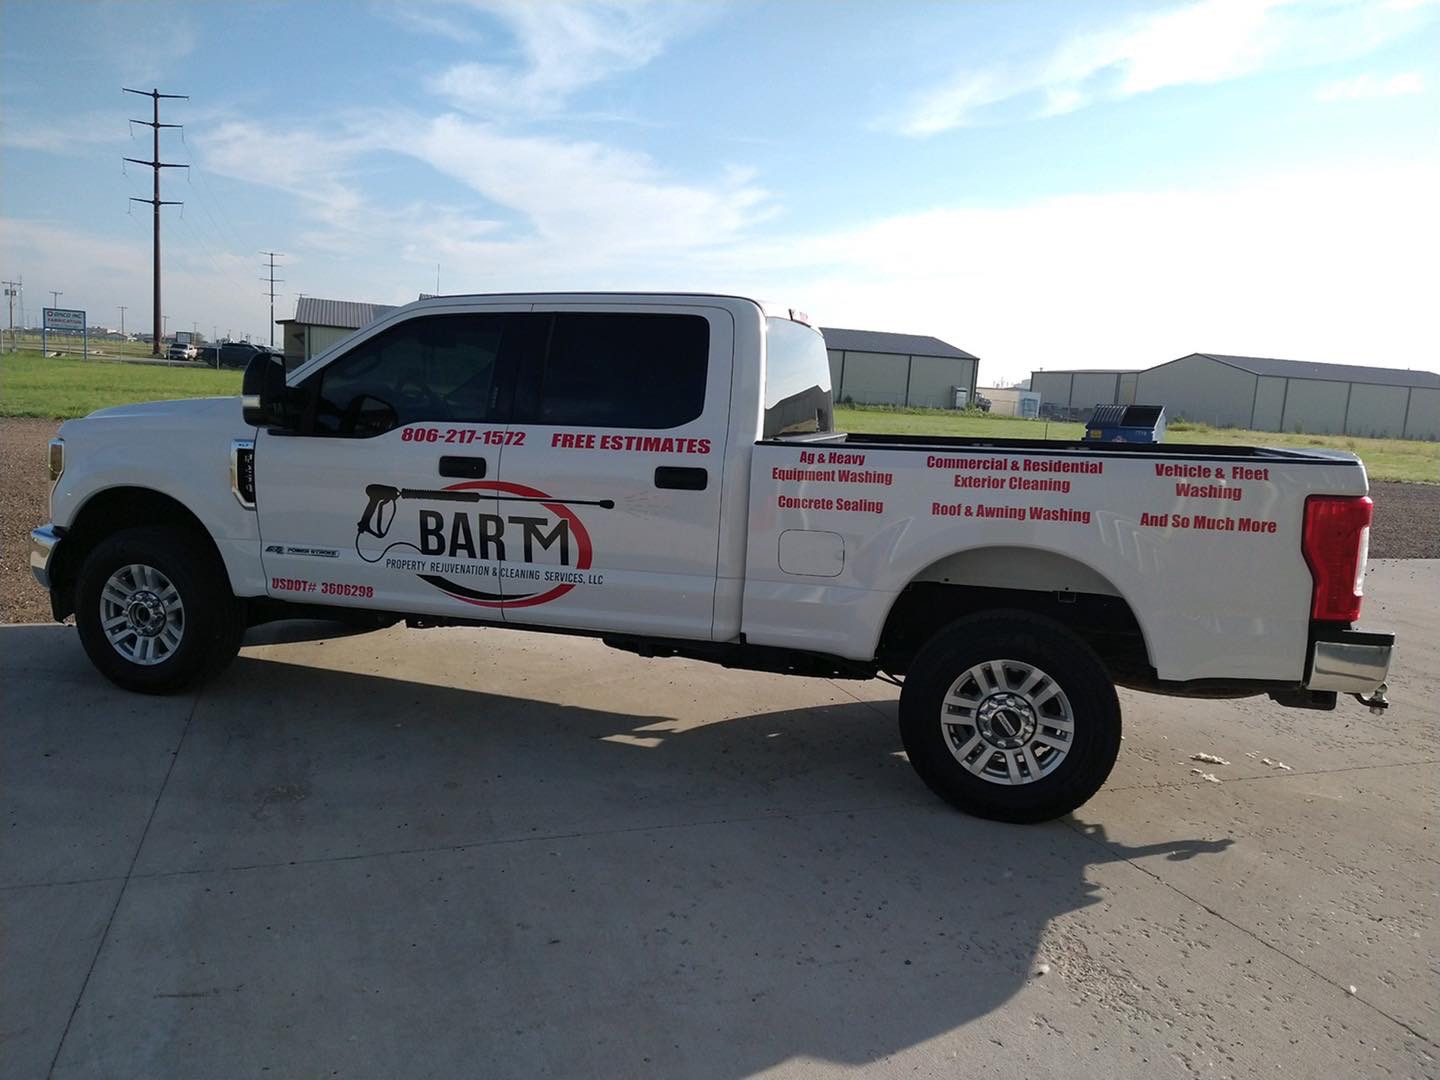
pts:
pixel 1406 517
pixel 24 504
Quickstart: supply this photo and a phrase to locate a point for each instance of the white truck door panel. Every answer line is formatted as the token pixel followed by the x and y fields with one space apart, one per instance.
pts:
pixel 621 427
pixel 315 494
pixel 388 499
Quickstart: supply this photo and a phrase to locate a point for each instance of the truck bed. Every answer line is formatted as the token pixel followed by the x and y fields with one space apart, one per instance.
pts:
pixel 1202 543
pixel 1202 451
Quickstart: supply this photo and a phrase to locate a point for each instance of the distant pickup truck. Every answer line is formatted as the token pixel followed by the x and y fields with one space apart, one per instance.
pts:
pixel 663 472
pixel 232 354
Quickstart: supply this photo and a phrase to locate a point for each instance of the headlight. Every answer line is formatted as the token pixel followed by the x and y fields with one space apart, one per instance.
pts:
pixel 57 459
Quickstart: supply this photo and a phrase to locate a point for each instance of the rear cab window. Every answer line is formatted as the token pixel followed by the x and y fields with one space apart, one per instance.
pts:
pixel 798 398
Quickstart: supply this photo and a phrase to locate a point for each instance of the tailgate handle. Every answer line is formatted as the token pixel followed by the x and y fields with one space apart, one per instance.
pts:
pixel 468 468
pixel 681 478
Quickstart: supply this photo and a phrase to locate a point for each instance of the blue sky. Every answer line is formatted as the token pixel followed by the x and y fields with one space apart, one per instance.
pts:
pixel 1046 184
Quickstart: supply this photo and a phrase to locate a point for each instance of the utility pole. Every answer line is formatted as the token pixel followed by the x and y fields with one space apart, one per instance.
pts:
pixel 122 322
pixel 11 287
pixel 273 282
pixel 156 202
pixel 55 295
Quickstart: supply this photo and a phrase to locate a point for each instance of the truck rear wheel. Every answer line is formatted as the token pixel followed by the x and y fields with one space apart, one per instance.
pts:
pixel 1010 716
pixel 154 610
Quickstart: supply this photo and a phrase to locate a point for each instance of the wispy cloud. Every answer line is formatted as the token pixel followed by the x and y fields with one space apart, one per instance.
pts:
pixel 431 18
pixel 69 135
pixel 562 48
pixel 1207 41
pixel 541 204
pixel 1369 87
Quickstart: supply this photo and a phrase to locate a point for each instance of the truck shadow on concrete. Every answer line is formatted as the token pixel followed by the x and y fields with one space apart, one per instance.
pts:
pixel 404 879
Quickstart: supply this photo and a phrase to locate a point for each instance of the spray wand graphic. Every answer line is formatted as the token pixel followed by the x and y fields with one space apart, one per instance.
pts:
pixel 383 497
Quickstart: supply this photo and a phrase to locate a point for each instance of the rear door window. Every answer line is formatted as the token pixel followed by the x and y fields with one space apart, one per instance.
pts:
pixel 620 370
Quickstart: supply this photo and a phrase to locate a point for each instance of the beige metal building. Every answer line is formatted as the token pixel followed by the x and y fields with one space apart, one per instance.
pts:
pixel 318 324
pixel 869 367
pixel 1265 394
pixel 1011 401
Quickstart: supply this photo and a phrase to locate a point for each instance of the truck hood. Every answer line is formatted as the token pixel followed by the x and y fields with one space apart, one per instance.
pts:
pixel 183 408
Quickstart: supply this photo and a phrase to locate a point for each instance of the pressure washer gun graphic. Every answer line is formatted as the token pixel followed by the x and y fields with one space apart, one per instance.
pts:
pixel 380 509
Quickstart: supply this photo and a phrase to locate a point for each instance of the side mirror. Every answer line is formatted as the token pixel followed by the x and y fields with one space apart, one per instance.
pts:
pixel 263 393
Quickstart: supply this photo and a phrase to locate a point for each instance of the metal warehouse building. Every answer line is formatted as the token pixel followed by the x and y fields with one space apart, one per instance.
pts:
pixel 869 367
pixel 1265 394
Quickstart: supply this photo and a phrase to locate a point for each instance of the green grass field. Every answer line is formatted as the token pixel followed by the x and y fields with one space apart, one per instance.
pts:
pixel 1385 459
pixel 57 389
pixel 68 344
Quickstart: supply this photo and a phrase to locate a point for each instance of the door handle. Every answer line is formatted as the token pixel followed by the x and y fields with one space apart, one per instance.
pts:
pixel 681 478
pixel 465 468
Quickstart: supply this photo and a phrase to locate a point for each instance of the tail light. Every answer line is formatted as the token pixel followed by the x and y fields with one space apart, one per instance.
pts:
pixel 1336 543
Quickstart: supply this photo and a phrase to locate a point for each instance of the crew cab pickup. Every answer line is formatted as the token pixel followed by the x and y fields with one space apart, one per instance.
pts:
pixel 663 472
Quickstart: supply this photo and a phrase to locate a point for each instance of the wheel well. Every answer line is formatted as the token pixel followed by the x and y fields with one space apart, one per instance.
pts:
pixel 106 513
pixel 1105 623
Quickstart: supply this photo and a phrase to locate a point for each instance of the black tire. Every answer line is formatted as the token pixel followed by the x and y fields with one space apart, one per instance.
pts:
pixel 1066 661
pixel 212 626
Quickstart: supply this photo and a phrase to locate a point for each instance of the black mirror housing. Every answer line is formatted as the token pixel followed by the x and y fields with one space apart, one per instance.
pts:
pixel 263 393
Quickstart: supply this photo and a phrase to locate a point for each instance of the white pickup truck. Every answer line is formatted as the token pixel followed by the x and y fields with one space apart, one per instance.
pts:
pixel 662 471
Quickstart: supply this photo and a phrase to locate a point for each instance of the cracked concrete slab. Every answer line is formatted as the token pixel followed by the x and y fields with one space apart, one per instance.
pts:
pixel 454 852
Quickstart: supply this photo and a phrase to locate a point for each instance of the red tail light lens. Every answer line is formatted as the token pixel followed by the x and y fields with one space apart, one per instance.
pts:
pixel 1336 543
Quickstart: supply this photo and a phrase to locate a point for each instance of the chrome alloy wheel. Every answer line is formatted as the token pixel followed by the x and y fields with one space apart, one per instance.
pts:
pixel 141 614
pixel 1007 722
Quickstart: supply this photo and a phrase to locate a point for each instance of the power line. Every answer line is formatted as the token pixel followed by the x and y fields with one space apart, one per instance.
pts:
pixel 156 202
pixel 273 280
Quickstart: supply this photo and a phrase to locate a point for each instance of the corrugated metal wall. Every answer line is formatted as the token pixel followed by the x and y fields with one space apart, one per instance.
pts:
pixel 868 378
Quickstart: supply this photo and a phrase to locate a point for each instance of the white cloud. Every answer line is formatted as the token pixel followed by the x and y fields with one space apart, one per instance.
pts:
pixel 1329 266
pixel 544 204
pixel 430 19
pixel 563 47
pixel 68 135
pixel 1370 87
pixel 1201 42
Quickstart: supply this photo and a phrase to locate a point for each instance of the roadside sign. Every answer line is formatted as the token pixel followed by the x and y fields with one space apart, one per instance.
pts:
pixel 69 320
pixel 64 319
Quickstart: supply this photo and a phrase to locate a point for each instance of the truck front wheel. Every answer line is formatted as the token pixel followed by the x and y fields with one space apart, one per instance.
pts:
pixel 1010 716
pixel 154 610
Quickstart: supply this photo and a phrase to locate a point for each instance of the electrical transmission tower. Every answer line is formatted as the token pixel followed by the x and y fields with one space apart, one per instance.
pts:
pixel 12 289
pixel 273 282
pixel 156 202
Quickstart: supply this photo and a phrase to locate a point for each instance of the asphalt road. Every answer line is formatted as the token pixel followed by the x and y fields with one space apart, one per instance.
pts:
pixel 481 853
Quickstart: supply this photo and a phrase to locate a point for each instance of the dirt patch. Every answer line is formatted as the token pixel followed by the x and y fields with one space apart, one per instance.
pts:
pixel 1407 520
pixel 1405 517
pixel 24 504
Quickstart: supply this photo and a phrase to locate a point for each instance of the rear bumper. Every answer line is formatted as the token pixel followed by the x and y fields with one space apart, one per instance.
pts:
pixel 1349 661
pixel 44 542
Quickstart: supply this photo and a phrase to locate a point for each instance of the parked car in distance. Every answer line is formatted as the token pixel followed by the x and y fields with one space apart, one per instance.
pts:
pixel 232 354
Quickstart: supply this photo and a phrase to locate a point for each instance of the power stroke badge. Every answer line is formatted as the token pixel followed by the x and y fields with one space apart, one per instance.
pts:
pixel 533 555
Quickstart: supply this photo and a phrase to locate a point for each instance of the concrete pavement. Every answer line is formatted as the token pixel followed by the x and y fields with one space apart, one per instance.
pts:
pixel 485 853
